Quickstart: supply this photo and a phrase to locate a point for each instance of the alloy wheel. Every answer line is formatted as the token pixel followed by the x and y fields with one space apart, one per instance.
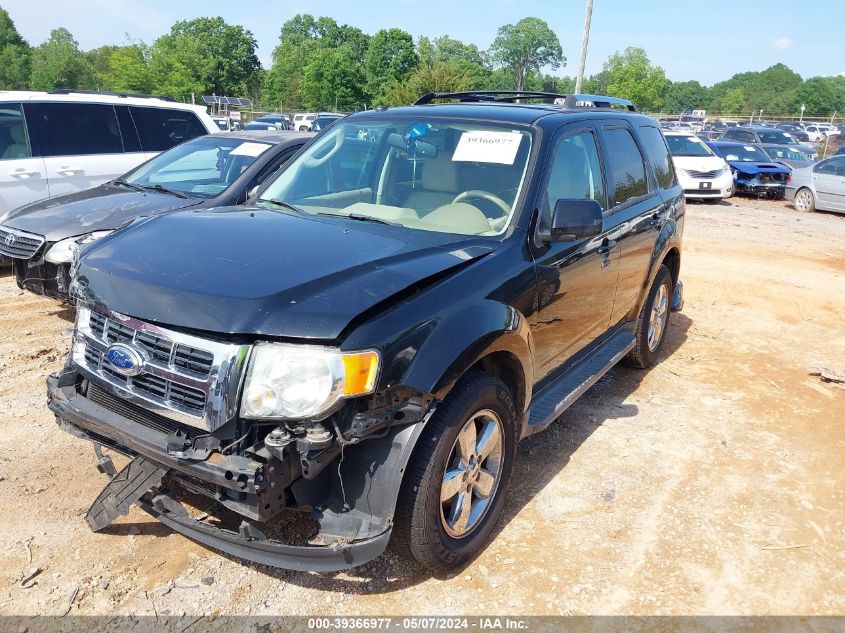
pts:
pixel 659 315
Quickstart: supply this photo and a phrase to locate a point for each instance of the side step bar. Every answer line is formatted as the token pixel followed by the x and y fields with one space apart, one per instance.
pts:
pixel 549 404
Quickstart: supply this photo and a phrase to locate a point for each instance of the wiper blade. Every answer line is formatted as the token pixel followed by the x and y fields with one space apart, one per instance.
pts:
pixel 123 183
pixel 283 203
pixel 369 218
pixel 172 192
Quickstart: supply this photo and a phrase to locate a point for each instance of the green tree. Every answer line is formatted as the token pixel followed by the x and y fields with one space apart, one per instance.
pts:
pixel 678 96
pixel 220 58
pixel 526 46
pixel 731 101
pixel 14 55
pixel 461 58
pixel 436 77
pixel 630 75
pixel 58 63
pixel 820 95
pixel 333 79
pixel 390 57
pixel 129 69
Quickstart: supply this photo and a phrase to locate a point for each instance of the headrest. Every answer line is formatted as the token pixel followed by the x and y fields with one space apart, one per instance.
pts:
pixel 440 174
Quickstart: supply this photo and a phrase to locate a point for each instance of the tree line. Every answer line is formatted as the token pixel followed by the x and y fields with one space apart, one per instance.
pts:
pixel 319 64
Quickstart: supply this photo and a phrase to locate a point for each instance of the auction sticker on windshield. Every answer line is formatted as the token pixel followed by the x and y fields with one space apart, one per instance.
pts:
pixel 249 149
pixel 488 147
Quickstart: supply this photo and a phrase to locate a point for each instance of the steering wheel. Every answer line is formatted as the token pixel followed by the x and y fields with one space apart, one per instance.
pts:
pixel 484 195
pixel 315 162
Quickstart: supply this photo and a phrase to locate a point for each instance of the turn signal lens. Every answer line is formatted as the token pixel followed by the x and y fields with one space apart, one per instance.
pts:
pixel 361 371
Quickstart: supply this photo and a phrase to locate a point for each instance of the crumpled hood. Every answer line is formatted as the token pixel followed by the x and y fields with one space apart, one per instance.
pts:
pixel 246 270
pixel 759 168
pixel 99 209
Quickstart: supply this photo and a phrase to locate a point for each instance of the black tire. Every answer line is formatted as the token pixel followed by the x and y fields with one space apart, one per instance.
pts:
pixel 644 355
pixel 303 128
pixel 419 533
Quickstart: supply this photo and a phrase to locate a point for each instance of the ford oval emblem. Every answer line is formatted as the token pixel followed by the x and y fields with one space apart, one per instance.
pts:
pixel 125 360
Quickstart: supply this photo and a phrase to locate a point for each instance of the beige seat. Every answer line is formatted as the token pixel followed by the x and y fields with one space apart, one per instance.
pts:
pixel 439 185
pixel 18 148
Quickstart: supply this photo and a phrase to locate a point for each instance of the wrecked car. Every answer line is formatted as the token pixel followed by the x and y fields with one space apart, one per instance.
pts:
pixel 754 172
pixel 208 171
pixel 353 356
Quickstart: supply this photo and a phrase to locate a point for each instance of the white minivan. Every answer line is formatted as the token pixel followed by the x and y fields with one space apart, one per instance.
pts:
pixel 62 141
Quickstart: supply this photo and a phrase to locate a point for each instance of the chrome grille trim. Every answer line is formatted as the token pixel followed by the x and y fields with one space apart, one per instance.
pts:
pixel 24 245
pixel 171 388
pixel 703 174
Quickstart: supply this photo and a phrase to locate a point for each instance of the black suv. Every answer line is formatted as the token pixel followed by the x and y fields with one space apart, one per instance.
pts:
pixel 368 339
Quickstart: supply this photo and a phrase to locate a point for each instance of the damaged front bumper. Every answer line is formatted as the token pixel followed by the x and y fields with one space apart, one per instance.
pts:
pixel 354 528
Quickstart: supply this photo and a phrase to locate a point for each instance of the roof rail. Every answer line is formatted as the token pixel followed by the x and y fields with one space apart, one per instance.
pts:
pixel 598 101
pixel 509 96
pixel 135 95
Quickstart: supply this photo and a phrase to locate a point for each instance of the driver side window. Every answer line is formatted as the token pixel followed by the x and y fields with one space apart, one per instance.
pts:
pixel 576 172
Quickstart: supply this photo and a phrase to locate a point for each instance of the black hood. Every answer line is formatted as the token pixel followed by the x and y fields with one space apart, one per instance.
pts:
pixel 242 270
pixel 99 209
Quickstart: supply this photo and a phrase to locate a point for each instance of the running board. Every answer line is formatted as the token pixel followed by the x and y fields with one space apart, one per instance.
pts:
pixel 556 397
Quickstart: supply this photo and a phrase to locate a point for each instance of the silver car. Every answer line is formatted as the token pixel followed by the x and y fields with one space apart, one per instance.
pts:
pixel 820 186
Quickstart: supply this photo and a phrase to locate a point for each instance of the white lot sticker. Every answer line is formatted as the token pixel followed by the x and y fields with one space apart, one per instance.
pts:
pixel 249 149
pixel 488 147
pixel 748 149
pixel 695 139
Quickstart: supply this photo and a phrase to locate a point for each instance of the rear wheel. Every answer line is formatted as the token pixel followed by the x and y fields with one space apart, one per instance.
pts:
pixel 805 201
pixel 454 489
pixel 652 322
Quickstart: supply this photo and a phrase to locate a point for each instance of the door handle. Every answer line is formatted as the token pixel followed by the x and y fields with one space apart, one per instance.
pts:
pixel 64 170
pixel 23 174
pixel 654 221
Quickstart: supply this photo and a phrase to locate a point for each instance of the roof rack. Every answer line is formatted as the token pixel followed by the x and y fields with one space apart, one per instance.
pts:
pixel 509 96
pixel 135 95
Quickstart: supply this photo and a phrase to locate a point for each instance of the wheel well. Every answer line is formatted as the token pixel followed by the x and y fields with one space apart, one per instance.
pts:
pixel 506 367
pixel 673 262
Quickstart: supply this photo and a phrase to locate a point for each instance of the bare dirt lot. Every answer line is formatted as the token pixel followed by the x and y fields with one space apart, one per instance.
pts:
pixel 714 484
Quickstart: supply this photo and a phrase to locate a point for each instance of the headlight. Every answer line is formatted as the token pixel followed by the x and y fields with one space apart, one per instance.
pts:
pixel 62 252
pixel 297 381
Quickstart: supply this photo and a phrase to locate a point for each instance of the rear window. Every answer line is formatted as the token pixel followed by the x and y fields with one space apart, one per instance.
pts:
pixel 657 151
pixel 161 129
pixel 627 171
pixel 74 129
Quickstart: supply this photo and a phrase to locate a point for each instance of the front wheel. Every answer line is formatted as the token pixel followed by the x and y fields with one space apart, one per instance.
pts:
pixel 652 322
pixel 805 201
pixel 454 488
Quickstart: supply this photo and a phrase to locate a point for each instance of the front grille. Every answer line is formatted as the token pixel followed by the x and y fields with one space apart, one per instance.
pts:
pixel 707 175
pixel 19 244
pixel 138 414
pixel 191 380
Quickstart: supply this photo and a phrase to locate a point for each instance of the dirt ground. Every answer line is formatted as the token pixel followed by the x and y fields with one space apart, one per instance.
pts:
pixel 713 484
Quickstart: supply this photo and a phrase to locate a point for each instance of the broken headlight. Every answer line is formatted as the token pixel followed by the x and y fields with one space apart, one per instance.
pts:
pixel 297 381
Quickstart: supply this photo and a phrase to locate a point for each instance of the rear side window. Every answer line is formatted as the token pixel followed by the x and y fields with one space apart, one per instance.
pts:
pixel 834 166
pixel 160 129
pixel 14 142
pixel 655 147
pixel 626 179
pixel 74 129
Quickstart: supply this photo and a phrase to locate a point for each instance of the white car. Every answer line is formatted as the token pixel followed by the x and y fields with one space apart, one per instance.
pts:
pixel 63 141
pixel 701 173
pixel 303 120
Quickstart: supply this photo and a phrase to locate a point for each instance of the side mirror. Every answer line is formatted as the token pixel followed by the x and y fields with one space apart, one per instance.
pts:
pixel 575 220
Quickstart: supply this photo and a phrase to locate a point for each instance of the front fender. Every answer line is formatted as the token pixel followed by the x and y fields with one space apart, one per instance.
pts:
pixel 459 341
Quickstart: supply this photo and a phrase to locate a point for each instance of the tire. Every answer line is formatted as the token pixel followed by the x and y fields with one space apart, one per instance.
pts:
pixel 303 128
pixel 647 350
pixel 805 201
pixel 424 530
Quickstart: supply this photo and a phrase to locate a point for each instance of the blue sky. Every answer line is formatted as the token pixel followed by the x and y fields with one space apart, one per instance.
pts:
pixel 709 44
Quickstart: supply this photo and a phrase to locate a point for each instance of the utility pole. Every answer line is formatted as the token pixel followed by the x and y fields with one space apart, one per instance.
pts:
pixel 584 42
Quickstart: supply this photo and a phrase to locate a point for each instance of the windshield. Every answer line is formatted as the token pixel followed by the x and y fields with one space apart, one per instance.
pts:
pixel 687 146
pixel 743 154
pixel 786 153
pixel 450 176
pixel 223 124
pixel 777 137
pixel 202 168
